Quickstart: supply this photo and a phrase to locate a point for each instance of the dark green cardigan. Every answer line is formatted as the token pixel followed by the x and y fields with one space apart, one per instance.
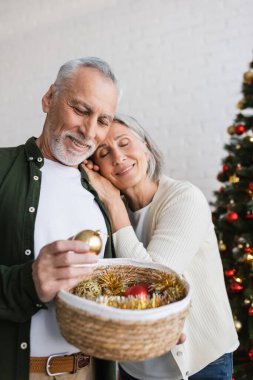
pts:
pixel 18 298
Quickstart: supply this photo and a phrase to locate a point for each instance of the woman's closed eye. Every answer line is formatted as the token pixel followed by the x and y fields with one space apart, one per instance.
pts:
pixel 103 152
pixel 123 142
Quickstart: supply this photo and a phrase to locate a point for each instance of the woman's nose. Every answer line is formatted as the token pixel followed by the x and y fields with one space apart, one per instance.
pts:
pixel 118 158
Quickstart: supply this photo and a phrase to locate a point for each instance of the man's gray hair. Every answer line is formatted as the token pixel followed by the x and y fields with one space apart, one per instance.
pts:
pixel 67 69
pixel 155 160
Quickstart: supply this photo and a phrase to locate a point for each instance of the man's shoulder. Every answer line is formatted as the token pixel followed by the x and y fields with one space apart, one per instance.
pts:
pixel 10 152
pixel 8 157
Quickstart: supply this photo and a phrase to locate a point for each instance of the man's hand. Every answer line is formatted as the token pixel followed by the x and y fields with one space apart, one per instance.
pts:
pixel 59 266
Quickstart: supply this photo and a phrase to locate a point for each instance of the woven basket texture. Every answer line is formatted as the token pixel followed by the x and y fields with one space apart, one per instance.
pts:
pixel 105 337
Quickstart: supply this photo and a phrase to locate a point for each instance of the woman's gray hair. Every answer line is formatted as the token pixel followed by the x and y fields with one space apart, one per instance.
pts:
pixel 67 69
pixel 155 161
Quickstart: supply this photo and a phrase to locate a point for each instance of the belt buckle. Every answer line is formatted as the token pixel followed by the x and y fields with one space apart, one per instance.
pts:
pixel 49 373
pixel 80 361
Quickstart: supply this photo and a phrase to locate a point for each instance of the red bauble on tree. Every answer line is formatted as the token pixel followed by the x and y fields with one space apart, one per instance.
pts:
pixel 225 167
pixel 250 312
pixel 249 214
pixel 250 186
pixel 235 287
pixel 250 353
pixel 138 290
pixel 230 272
pixel 240 129
pixel 232 216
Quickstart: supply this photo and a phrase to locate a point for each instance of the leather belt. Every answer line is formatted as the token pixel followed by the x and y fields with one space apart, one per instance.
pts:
pixel 59 364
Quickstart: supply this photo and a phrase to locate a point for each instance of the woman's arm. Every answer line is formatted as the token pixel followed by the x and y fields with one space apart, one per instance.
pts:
pixel 178 228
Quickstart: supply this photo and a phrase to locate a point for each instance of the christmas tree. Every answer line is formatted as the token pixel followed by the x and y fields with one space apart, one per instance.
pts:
pixel 233 220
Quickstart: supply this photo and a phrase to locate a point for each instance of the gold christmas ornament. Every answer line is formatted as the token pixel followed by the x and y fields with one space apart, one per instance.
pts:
pixel 238 280
pixel 222 246
pixel 231 130
pixel 238 325
pixel 249 257
pixel 248 77
pixel 92 238
pixel 241 104
pixel 234 179
pixel 89 289
pixel 248 139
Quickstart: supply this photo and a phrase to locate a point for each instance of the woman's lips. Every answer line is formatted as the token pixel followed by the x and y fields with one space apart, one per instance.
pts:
pixel 124 170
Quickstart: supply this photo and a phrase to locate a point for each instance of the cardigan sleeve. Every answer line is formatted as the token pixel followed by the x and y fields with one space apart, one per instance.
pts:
pixel 18 298
pixel 180 225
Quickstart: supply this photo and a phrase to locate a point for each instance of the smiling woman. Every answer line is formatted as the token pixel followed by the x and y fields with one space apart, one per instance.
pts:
pixel 169 222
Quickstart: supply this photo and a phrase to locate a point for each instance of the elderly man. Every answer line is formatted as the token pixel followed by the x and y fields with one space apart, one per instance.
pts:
pixel 46 199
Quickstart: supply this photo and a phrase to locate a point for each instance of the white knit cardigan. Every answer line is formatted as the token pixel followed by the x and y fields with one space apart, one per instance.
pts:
pixel 181 236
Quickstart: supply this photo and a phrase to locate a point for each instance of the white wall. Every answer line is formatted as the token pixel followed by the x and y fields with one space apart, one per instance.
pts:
pixel 180 64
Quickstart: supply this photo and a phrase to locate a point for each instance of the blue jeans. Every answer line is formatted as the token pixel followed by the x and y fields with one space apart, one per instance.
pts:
pixel 220 369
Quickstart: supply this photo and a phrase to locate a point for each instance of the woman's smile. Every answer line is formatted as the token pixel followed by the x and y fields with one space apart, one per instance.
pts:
pixel 124 170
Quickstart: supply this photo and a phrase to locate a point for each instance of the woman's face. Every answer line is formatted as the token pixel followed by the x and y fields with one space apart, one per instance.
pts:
pixel 122 157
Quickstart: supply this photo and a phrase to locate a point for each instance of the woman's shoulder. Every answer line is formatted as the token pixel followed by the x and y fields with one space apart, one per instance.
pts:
pixel 172 189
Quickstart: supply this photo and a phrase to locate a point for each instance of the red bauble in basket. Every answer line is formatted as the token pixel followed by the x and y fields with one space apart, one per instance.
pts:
pixel 138 290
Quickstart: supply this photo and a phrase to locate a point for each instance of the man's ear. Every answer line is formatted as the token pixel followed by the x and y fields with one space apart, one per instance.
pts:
pixel 47 99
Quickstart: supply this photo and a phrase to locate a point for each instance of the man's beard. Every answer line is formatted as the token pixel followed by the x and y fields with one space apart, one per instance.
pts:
pixel 68 156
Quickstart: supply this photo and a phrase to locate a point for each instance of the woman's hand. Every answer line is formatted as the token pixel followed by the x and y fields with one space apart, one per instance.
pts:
pixel 109 195
pixel 90 165
pixel 105 189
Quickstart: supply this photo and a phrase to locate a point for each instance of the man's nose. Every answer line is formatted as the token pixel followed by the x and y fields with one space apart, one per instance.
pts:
pixel 90 127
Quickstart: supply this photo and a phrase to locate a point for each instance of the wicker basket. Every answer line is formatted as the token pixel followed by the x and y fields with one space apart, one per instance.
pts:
pixel 115 334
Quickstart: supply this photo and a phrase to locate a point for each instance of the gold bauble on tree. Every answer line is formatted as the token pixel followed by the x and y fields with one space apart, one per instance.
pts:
pixel 92 238
pixel 241 104
pixel 238 325
pixel 231 129
pixel 248 77
pixel 222 246
pixel 234 179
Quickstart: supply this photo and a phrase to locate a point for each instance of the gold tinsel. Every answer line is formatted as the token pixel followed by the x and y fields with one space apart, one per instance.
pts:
pixel 111 283
pixel 133 303
pixel 168 285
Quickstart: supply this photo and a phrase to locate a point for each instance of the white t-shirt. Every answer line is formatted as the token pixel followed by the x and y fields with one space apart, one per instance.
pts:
pixel 65 208
pixel 163 367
